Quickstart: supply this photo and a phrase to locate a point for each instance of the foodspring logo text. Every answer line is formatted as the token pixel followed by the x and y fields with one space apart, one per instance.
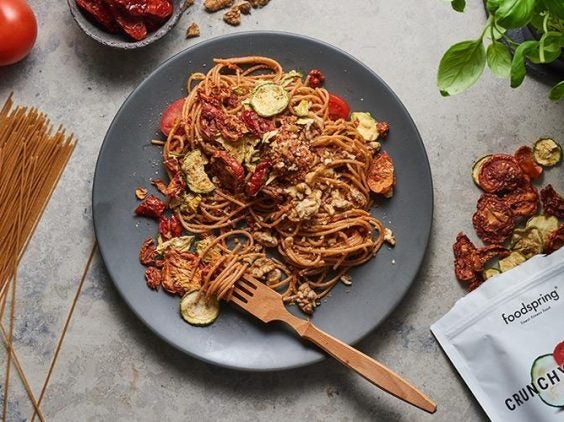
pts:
pixel 532 306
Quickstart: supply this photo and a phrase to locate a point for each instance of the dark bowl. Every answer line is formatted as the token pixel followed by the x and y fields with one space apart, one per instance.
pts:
pixel 121 40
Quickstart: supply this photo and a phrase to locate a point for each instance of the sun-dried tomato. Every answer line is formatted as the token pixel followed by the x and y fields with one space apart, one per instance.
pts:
pixel 523 201
pixel 493 220
pixel 177 270
pixel 153 277
pixel 316 78
pixel 100 12
pixel 148 252
pixel 552 202
pixel 524 156
pixel 160 185
pixel 172 165
pixel 383 128
pixel 500 173
pixel 230 127
pixel 169 227
pixel 464 258
pixel 258 178
pixel 257 125
pixel 176 186
pixel 381 176
pixel 228 170
pixel 554 240
pixel 469 261
pixel 151 207
pixel 131 25
pixel 145 8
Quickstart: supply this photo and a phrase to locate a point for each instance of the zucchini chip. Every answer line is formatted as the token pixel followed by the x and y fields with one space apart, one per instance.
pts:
pixel 477 167
pixel 544 223
pixel 527 241
pixel 198 310
pixel 515 258
pixel 269 99
pixel 490 272
pixel 547 152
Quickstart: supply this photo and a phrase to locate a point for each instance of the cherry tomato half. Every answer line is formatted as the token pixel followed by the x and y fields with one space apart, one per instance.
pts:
pixel 338 108
pixel 171 113
pixel 18 31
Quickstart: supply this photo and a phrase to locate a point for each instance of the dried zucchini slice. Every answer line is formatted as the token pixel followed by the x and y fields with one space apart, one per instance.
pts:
pixel 477 167
pixel 547 152
pixel 196 176
pixel 198 310
pixel 514 259
pixel 269 99
pixel 527 241
pixel 545 224
pixel 490 272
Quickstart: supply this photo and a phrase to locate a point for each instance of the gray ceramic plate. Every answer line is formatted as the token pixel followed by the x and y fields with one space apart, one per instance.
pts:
pixel 235 340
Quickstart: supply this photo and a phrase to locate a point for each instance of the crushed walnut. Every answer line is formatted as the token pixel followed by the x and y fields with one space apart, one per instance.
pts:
pixel 258 3
pixel 188 3
pixel 389 237
pixel 306 298
pixel 215 5
pixel 265 238
pixel 309 206
pixel 244 7
pixel 261 267
pixel 232 16
pixel 193 30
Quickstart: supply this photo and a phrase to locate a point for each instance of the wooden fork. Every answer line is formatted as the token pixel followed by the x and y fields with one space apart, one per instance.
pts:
pixel 267 305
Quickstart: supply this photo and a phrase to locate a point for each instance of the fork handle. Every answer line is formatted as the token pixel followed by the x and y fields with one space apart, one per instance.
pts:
pixel 364 365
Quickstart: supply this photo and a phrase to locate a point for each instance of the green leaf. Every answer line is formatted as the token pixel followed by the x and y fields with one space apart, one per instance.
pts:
pixel 499 59
pixel 518 70
pixel 515 13
pixel 555 7
pixel 497 30
pixel 493 5
pixel 550 44
pixel 461 66
pixel 557 91
pixel 458 5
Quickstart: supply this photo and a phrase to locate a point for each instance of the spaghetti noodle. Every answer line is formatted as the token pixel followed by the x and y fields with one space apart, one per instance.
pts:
pixel 252 183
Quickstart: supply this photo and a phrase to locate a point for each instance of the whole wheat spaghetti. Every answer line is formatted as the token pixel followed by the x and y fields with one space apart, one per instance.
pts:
pixel 32 158
pixel 271 181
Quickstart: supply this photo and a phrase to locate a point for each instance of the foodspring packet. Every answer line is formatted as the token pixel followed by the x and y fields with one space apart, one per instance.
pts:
pixel 506 339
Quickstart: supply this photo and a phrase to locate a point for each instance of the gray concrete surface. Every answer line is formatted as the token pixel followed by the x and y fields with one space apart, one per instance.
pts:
pixel 111 367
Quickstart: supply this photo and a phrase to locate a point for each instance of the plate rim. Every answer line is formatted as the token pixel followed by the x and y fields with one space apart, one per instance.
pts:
pixel 427 175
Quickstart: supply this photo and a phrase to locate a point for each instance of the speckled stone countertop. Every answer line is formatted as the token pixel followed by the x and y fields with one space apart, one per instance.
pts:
pixel 110 366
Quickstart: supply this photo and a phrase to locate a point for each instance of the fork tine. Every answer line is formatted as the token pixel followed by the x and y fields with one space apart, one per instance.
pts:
pixel 243 290
pixel 237 299
pixel 247 280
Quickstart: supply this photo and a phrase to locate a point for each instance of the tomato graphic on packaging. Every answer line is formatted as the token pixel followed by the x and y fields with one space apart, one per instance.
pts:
pixel 559 353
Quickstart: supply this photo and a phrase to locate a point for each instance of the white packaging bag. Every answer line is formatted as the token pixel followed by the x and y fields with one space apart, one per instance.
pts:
pixel 506 339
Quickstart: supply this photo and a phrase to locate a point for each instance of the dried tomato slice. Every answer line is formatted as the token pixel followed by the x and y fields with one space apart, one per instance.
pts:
pixel 257 125
pixel 172 165
pixel 148 252
pixel 500 173
pixel 493 219
pixel 153 277
pixel 228 170
pixel 526 160
pixel 554 240
pixel 381 176
pixel 100 12
pixel 160 185
pixel 176 186
pixel 151 207
pixel 464 252
pixel 552 201
pixel 489 252
pixel 169 227
pixel 258 178
pixel 315 78
pixel 177 270
pixel 383 128
pixel 523 201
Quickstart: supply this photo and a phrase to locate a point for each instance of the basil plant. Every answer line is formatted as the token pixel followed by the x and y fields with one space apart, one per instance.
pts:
pixel 463 63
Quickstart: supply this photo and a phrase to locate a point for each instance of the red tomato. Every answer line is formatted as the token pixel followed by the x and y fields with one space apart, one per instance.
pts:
pixel 171 113
pixel 338 108
pixel 559 354
pixel 18 30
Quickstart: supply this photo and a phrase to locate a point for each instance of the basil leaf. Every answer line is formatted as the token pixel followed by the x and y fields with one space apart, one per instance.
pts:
pixel 461 66
pixel 458 5
pixel 493 5
pixel 497 30
pixel 557 91
pixel 551 48
pixel 499 59
pixel 515 13
pixel 518 70
pixel 555 7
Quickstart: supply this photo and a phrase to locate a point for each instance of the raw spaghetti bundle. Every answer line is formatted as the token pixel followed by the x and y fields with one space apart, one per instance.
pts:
pixel 32 158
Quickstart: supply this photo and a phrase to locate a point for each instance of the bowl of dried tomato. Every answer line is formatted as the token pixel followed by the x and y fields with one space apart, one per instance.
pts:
pixel 126 24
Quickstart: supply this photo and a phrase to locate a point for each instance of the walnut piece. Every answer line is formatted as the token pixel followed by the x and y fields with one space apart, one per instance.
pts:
pixel 258 3
pixel 193 30
pixel 215 5
pixel 244 7
pixel 232 16
pixel 306 298
pixel 389 237
pixel 140 193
